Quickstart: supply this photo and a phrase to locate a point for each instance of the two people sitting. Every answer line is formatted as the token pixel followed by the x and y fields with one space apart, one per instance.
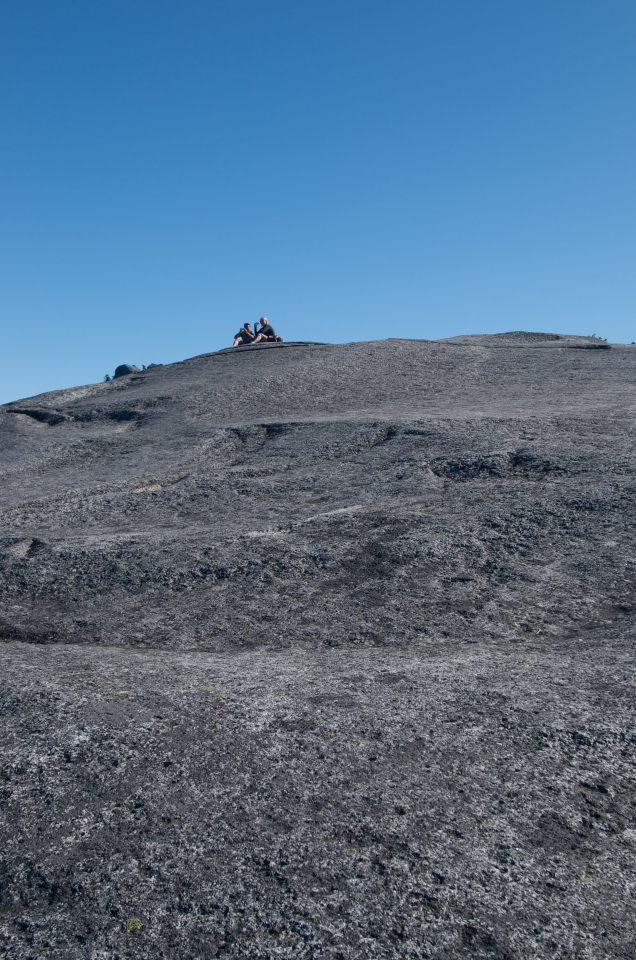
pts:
pixel 263 334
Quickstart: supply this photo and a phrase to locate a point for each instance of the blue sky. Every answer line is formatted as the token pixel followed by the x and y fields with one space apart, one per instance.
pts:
pixel 355 170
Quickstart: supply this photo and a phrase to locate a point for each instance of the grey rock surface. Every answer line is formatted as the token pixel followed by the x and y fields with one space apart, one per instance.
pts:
pixel 317 651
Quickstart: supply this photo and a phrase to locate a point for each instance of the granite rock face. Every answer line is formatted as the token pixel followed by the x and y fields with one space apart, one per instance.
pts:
pixel 323 651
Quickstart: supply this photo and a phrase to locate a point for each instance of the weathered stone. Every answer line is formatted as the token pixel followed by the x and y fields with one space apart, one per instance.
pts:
pixel 322 652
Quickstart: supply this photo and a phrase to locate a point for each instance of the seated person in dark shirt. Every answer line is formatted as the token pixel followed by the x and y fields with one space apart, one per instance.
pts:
pixel 266 332
pixel 244 336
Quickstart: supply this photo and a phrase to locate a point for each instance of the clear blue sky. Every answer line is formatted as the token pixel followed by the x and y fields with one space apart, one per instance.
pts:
pixel 354 169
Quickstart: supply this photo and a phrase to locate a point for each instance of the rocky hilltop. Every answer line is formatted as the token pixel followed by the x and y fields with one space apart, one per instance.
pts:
pixel 322 651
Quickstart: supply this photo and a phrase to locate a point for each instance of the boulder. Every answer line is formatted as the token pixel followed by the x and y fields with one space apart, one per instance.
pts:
pixel 124 369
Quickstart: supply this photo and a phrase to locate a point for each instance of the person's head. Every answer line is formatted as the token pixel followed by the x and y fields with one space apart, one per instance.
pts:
pixel 246 326
pixel 263 320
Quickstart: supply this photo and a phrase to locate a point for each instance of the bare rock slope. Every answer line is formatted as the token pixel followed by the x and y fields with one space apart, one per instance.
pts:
pixel 323 651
